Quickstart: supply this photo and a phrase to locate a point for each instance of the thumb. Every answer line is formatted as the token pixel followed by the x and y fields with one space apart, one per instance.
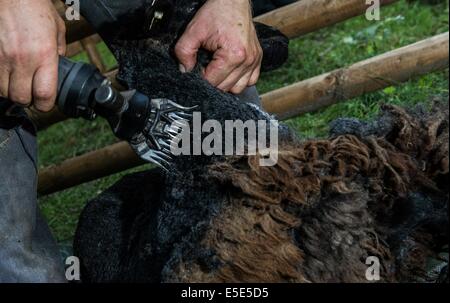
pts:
pixel 186 51
pixel 61 37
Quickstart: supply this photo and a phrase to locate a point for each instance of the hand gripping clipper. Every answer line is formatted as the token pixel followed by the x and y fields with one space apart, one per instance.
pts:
pixel 149 125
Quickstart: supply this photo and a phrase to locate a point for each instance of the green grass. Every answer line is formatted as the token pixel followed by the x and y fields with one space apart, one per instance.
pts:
pixel 313 54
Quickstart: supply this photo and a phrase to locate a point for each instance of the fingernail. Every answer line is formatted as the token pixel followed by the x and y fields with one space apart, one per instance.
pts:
pixel 182 68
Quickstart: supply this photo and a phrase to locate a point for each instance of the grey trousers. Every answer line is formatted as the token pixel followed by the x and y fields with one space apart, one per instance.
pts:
pixel 28 252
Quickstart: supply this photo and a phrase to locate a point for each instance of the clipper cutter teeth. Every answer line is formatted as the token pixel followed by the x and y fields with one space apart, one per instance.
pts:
pixel 165 122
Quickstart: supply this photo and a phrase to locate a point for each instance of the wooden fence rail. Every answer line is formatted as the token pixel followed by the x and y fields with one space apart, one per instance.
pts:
pixel 363 77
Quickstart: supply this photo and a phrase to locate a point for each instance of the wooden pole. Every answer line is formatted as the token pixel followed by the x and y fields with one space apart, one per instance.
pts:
pixel 44 120
pixel 312 94
pixel 306 16
pixel 75 48
pixel 367 76
pixel 91 166
pixel 90 46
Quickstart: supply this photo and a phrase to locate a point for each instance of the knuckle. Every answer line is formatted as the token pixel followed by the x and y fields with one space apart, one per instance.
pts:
pixel 15 54
pixel 237 89
pixel 250 60
pixel 24 55
pixel 253 81
pixel 181 50
pixel 44 106
pixel 46 50
pixel 20 99
pixel 44 93
pixel 239 55
pixel 223 88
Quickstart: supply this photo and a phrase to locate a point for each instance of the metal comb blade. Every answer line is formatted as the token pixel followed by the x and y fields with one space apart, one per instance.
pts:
pixel 166 120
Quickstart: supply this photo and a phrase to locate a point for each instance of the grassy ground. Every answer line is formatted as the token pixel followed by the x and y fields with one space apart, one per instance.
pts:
pixel 402 23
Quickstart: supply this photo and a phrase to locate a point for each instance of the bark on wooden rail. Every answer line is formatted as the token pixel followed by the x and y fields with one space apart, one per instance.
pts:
pixel 312 94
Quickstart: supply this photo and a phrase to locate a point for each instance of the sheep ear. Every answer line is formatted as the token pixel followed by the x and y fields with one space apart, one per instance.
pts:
pixel 275 47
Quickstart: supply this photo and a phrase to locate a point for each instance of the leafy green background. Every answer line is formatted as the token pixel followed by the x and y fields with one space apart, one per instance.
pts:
pixel 402 23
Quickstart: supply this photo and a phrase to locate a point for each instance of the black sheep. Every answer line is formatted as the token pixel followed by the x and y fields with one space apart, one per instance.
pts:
pixel 314 217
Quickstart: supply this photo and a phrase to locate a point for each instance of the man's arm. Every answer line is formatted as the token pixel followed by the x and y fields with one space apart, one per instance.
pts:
pixel 32 35
pixel 226 28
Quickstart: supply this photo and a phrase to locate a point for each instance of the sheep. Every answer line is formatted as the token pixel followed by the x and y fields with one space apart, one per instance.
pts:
pixel 316 216
pixel 371 191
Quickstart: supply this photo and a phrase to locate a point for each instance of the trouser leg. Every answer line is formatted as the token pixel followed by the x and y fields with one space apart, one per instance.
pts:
pixel 28 252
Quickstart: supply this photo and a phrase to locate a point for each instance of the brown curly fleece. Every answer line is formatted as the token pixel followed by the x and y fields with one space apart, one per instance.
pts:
pixel 314 217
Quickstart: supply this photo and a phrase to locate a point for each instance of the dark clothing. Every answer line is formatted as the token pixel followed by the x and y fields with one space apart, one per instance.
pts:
pixel 263 6
pixel 28 252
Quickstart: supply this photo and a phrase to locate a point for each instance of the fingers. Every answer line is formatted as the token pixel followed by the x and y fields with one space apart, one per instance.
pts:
pixel 45 86
pixel 233 71
pixel 225 67
pixel 235 76
pixel 20 85
pixel 34 80
pixel 241 85
pixel 255 75
pixel 224 28
pixel 257 70
pixel 29 48
pixel 186 50
pixel 4 82
pixel 248 79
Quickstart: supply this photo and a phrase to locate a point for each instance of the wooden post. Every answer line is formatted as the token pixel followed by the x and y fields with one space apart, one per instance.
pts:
pixel 312 94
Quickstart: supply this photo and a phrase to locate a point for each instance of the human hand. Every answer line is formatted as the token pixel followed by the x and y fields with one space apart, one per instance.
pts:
pixel 32 36
pixel 224 27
